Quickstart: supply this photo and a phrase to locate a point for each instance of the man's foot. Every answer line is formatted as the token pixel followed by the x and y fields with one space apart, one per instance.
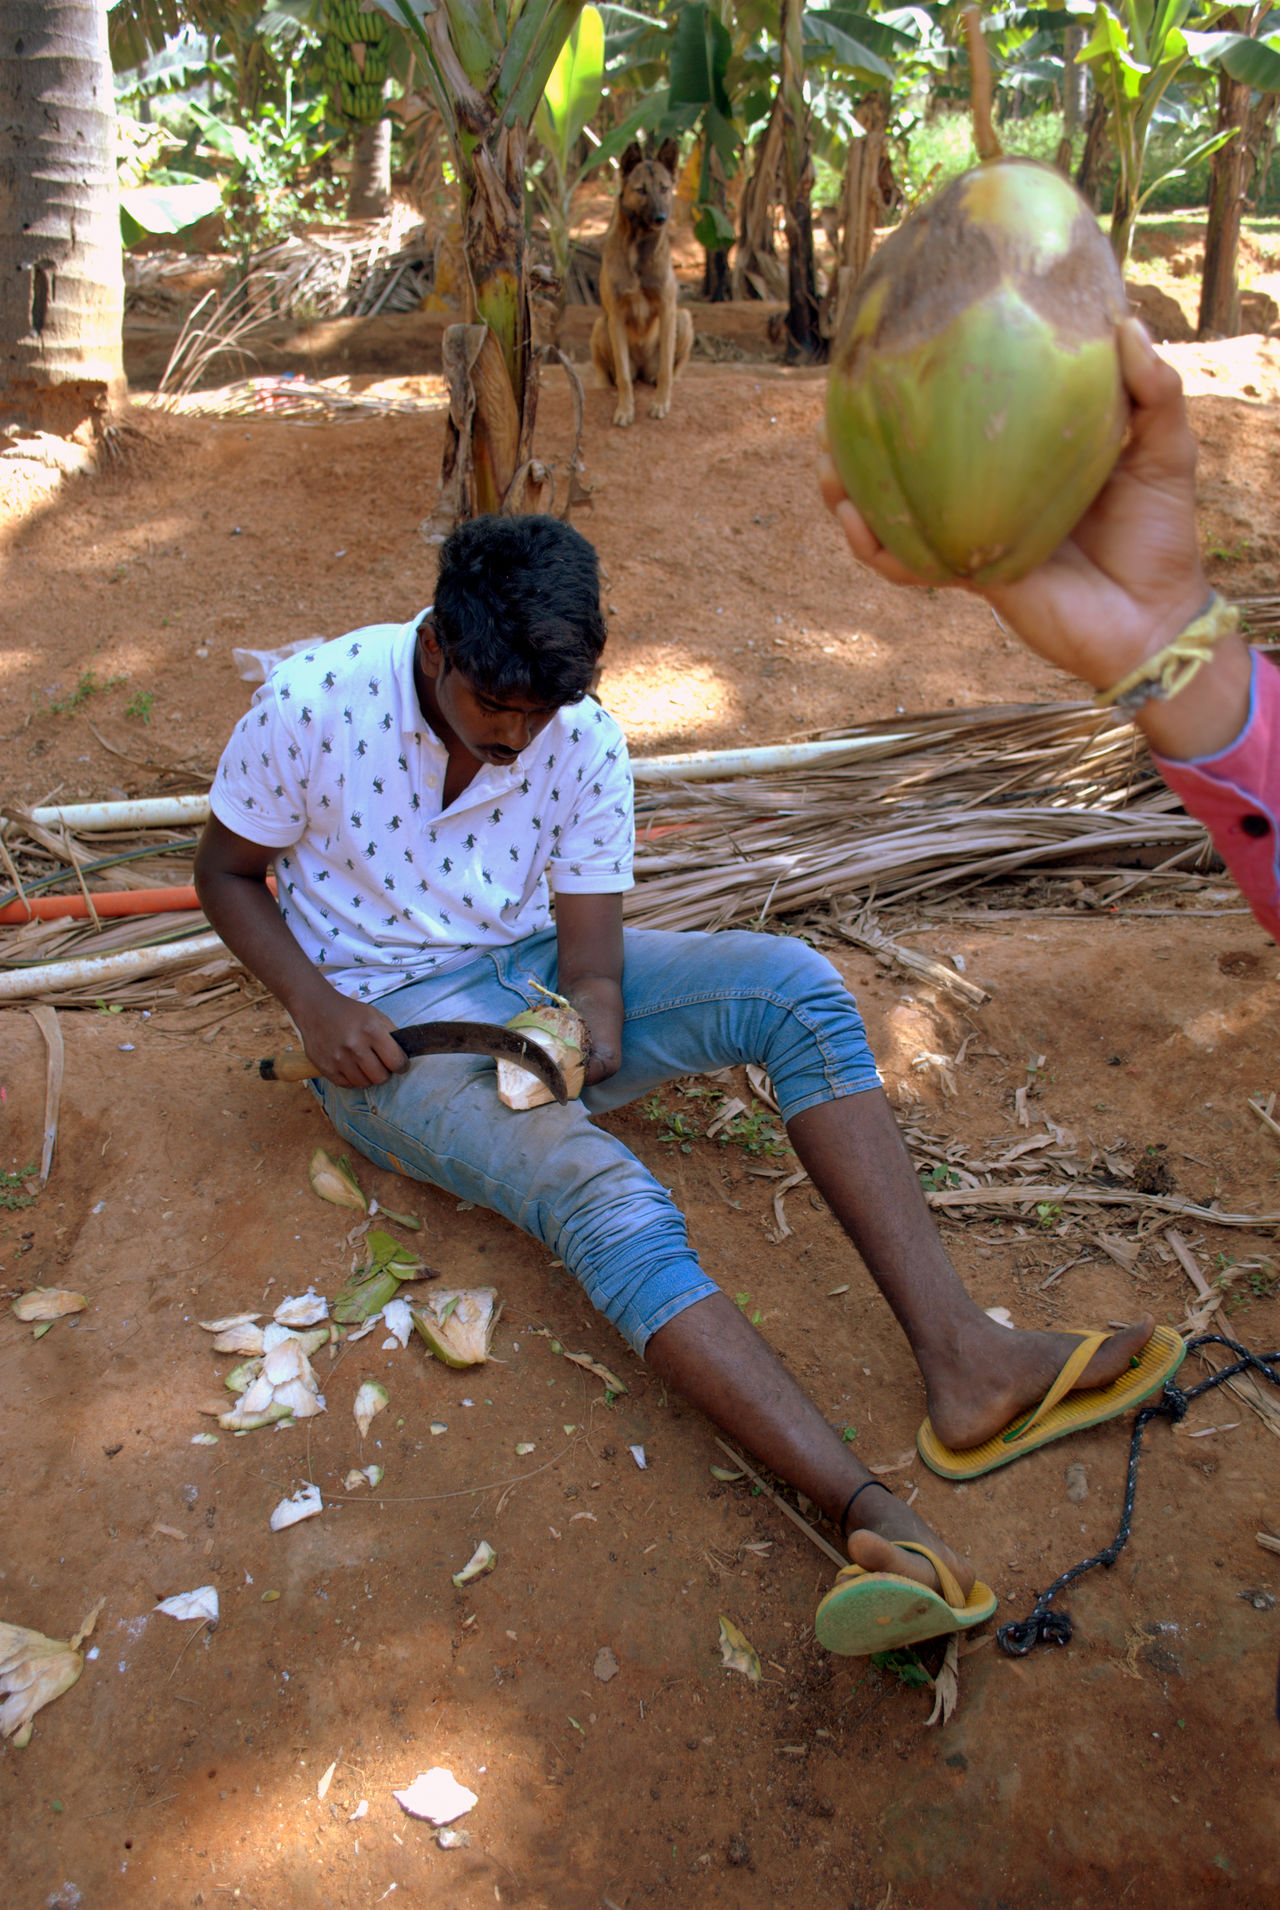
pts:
pixel 884 1520
pixel 999 1374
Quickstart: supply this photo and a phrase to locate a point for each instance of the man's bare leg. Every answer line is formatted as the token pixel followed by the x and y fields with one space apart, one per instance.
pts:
pixel 714 1357
pixel 978 1375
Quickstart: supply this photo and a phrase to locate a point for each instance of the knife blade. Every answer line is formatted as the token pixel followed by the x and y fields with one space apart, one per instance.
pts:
pixel 440 1037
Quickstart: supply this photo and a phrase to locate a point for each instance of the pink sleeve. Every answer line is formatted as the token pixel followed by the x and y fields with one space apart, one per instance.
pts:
pixel 1236 794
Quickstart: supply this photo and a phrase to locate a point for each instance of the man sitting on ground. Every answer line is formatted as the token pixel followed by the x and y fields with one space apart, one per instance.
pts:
pixel 418 790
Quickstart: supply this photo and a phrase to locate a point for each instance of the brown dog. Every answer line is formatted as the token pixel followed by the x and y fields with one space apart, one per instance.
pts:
pixel 641 332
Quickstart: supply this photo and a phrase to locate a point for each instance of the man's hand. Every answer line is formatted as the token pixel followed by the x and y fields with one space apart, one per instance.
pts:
pixel 350 1042
pixel 589 974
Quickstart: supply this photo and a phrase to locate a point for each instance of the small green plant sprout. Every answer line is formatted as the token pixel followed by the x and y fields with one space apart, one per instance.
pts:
pixel 140 705
pixel 1230 553
pixel 88 684
pixel 848 1434
pixel 108 1007
pixel 677 1132
pixel 904 1665
pixel 742 1301
pixel 1258 1274
pixel 754 1132
pixel 1048 1214
pixel 13 1193
pixel 938 1176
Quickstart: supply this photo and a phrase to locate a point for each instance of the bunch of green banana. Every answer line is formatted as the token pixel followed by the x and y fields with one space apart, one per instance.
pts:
pixel 356 46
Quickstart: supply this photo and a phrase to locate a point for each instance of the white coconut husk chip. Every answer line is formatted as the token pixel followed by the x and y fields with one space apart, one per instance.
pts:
pixel 370 1400
pixel 34 1670
pixel 284 1387
pixel 303 1309
pixel 457 1323
pixel 335 1181
pixel 48 1303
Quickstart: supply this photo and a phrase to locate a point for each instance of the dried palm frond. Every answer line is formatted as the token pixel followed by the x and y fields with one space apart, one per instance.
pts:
pixel 926 803
pixel 290 395
pixel 924 806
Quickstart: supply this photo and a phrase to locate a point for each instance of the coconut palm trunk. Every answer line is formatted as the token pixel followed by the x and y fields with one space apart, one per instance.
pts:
pixel 1249 116
pixel 61 279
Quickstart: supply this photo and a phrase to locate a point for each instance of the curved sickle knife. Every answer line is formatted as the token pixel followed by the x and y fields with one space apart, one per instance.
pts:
pixel 440 1037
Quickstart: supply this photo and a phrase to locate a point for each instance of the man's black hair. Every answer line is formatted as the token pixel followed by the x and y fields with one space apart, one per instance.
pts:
pixel 517 608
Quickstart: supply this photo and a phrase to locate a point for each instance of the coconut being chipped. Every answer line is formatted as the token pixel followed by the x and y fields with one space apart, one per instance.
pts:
pixel 563 1033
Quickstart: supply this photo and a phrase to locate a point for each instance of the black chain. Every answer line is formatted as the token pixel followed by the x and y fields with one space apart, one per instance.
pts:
pixel 1042 1626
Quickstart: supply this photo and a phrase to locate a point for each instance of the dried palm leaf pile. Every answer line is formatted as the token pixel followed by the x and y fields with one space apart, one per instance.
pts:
pixel 356 271
pixel 923 811
pixel 890 820
pixel 927 808
pixel 335 271
pixel 301 400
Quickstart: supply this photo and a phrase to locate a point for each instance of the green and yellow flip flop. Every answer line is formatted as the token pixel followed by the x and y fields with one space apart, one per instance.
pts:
pixel 882 1611
pixel 1061 1411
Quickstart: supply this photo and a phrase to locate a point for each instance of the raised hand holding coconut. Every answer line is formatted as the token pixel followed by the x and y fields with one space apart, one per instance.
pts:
pixel 1097 576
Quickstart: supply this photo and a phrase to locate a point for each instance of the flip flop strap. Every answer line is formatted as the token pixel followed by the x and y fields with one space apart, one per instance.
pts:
pixel 947 1579
pixel 1069 1373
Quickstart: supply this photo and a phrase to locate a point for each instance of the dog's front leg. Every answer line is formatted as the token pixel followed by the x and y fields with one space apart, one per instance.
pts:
pixel 666 357
pixel 625 410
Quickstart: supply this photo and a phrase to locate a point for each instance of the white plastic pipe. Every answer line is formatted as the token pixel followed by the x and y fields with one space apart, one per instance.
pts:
pixel 710 765
pixel 89 971
pixel 148 812
pixel 169 812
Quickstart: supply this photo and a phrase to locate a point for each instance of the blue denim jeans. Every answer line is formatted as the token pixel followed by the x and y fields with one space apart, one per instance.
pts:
pixel 692 1003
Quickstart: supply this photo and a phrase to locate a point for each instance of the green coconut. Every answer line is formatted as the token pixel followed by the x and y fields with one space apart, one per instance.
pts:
pixel 976 406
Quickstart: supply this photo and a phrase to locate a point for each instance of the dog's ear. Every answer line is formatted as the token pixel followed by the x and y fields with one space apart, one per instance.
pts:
pixel 669 156
pixel 631 158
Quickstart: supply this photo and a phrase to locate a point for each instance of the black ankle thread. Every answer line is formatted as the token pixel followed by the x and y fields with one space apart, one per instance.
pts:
pixel 848 1506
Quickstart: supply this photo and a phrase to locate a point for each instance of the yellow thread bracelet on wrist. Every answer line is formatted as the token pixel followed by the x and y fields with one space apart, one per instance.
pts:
pixel 1169 671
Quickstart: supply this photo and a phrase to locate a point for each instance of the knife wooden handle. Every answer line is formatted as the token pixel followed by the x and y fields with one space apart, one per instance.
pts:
pixel 291 1064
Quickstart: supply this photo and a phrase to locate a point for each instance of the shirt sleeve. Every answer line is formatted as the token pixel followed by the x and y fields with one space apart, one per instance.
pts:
pixel 1236 794
pixel 594 850
pixel 260 788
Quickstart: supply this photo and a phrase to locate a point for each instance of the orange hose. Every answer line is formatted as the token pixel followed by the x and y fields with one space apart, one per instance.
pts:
pixel 107 902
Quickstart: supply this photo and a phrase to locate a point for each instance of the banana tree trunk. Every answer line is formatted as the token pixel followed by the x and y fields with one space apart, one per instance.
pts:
pixel 369 189
pixel 61 279
pixel 1075 83
pixel 716 283
pixel 861 201
pixel 1095 151
pixel 489 360
pixel 1124 216
pixel 485 72
pixel 805 343
pixel 757 270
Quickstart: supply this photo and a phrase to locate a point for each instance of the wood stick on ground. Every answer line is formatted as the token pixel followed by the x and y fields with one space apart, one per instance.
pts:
pixel 46 1019
pixel 817 1539
pixel 1187 1261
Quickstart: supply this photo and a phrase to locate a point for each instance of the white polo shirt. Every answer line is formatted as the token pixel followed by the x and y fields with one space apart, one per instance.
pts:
pixel 335 765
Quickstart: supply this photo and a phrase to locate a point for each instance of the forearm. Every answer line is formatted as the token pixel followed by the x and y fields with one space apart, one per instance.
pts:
pixel 589 973
pixel 244 912
pixel 598 999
